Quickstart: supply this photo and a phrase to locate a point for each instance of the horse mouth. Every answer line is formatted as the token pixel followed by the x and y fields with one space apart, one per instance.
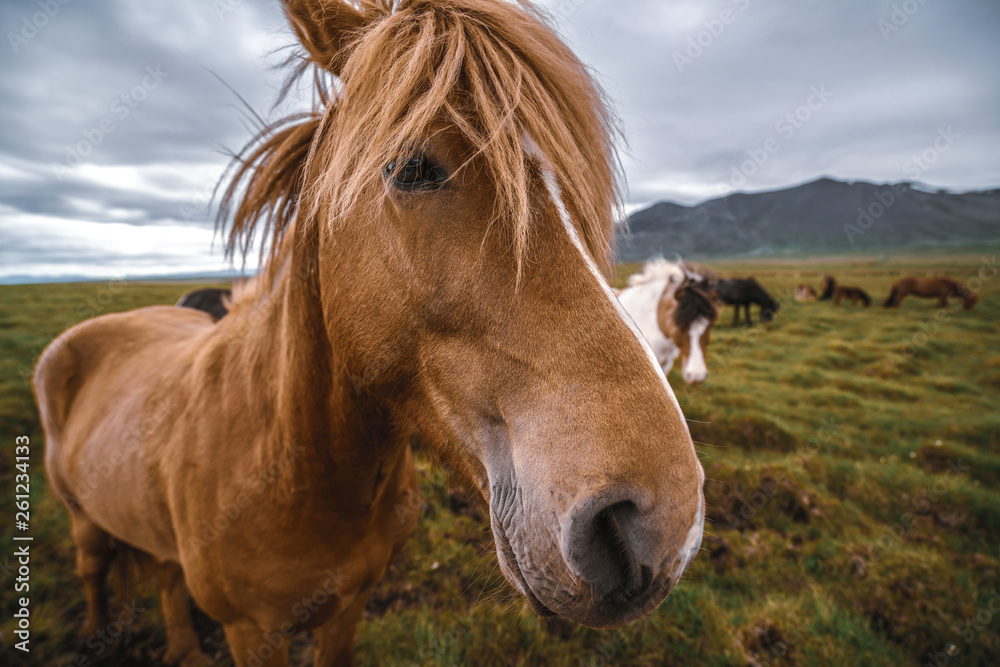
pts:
pixel 617 610
pixel 503 544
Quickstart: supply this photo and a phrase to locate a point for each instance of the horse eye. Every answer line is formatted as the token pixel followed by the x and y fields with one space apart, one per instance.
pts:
pixel 418 173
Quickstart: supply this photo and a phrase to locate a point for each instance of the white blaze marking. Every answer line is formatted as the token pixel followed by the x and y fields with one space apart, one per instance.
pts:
pixel 555 192
pixel 695 369
pixel 693 540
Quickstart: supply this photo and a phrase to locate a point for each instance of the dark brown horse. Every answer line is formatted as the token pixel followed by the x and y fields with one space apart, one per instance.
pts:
pixel 741 292
pixel 827 287
pixel 213 300
pixel 940 288
pixel 852 294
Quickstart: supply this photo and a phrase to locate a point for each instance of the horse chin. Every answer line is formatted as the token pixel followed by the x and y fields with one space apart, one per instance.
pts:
pixel 532 560
pixel 579 605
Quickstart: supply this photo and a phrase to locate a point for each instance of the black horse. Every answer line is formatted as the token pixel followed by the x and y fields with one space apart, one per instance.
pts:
pixel 209 299
pixel 743 292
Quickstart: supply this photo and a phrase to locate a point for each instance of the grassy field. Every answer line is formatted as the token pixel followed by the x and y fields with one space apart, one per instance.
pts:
pixel 853 459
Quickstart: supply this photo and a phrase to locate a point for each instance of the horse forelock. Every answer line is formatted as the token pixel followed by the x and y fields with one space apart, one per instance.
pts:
pixel 657 269
pixel 492 69
pixel 693 302
pixel 495 72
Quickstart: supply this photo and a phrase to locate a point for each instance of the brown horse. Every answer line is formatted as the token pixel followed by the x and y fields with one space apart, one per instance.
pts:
pixel 827 287
pixel 940 287
pixel 675 313
pixel 852 294
pixel 805 293
pixel 439 228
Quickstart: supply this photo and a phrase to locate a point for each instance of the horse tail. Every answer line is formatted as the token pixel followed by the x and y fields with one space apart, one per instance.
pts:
pixel 893 295
pixel 55 381
pixel 863 295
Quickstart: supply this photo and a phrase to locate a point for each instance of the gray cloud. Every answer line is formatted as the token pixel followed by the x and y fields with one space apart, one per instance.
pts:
pixel 702 87
pixel 693 112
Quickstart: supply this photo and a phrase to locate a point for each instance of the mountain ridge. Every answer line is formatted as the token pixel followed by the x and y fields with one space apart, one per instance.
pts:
pixel 824 216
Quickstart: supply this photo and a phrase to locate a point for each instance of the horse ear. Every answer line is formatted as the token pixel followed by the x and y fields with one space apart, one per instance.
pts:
pixel 325 28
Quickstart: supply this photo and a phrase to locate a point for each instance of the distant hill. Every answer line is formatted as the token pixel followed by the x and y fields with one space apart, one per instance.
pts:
pixel 824 216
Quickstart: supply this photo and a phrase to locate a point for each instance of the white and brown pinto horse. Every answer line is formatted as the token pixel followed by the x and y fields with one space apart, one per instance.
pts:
pixel 441 232
pixel 674 314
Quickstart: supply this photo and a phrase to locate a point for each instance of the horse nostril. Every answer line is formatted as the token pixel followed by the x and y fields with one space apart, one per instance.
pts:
pixel 609 528
pixel 602 552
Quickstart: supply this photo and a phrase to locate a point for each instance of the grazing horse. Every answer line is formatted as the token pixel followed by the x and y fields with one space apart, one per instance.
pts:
pixel 739 292
pixel 940 287
pixel 805 293
pixel 853 294
pixel 212 300
pixel 675 313
pixel 440 230
pixel 827 287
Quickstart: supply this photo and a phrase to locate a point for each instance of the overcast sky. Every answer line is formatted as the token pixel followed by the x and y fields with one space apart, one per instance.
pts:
pixel 113 119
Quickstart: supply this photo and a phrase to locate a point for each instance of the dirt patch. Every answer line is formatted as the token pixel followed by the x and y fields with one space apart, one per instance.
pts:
pixel 764 643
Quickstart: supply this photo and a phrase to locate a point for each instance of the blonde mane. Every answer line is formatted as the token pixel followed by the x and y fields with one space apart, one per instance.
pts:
pixel 494 71
pixel 658 269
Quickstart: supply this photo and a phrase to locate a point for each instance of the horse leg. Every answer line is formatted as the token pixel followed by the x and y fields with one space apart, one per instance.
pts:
pixel 736 315
pixel 749 316
pixel 335 639
pixel 943 301
pixel 249 645
pixel 93 555
pixel 667 361
pixel 182 640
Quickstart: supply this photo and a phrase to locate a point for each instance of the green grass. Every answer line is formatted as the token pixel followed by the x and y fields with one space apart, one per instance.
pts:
pixel 838 533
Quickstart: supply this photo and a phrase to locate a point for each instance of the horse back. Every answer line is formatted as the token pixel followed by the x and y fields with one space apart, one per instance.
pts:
pixel 106 391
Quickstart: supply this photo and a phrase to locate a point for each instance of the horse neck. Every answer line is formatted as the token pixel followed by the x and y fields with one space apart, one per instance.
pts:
pixel 312 423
